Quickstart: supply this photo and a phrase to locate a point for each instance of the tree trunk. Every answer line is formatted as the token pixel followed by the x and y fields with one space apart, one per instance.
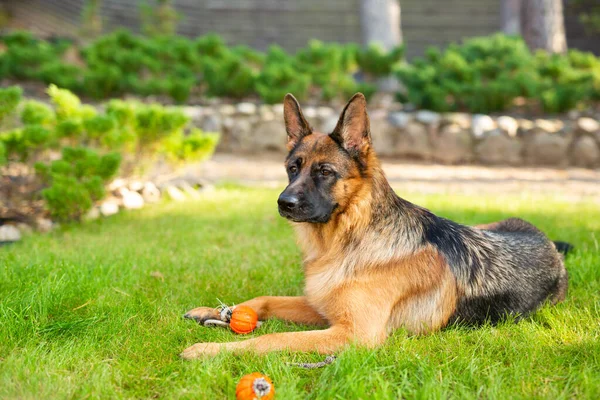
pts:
pixel 511 17
pixel 543 25
pixel 380 21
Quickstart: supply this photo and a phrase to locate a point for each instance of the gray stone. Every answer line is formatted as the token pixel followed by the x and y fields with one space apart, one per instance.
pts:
pixel 211 123
pixel 195 113
pixel 44 224
pixel 278 110
pixel 585 152
pixel 24 228
pixel 328 124
pixel 499 150
pixel 175 194
pixel 269 135
pixel 92 214
pixel 109 207
pixel 150 193
pixel 133 200
pixel 9 233
pixel 413 141
pixel 481 124
pixel 189 190
pixel 525 126
pixel 241 135
pixel 325 112
pixel 508 125
pixel 588 125
pixel 310 112
pixel 117 184
pixel 427 117
pixel 547 149
pixel 400 119
pixel 548 126
pixel 136 186
pixel 246 108
pixel 461 119
pixel 453 145
pixel 227 109
pixel 382 136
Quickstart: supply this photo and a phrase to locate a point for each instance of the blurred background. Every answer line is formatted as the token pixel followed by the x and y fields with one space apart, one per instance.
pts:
pixel 109 104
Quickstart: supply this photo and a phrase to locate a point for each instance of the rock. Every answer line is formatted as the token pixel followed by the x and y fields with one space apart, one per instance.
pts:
pixel 413 141
pixel 508 125
pixel 174 193
pixel 329 124
pixel 133 200
pixel 9 233
pixel 150 193
pixel 122 191
pixel 383 136
pixel 109 207
pixel 189 190
pixel 525 126
pixel 574 114
pixel 92 214
pixel 227 109
pixel 269 135
pixel 246 108
pixel 547 149
pixel 585 152
pixel 117 184
pixel 324 112
pixel 427 117
pixel 453 145
pixel 211 123
pixel 241 135
pixel 400 119
pixel 461 119
pixel 382 100
pixel 278 110
pixel 481 124
pixel 588 125
pixel 266 113
pixel 498 149
pixel 194 113
pixel 310 112
pixel 136 186
pixel 44 224
pixel 24 228
pixel 548 126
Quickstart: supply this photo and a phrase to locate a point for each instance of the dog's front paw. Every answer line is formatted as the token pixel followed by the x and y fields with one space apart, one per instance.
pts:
pixel 200 350
pixel 202 314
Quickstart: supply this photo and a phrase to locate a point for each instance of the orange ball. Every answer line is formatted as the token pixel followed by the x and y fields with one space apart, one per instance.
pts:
pixel 243 319
pixel 254 386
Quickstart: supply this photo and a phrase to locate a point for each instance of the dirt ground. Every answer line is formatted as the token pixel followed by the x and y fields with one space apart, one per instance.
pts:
pixel 571 183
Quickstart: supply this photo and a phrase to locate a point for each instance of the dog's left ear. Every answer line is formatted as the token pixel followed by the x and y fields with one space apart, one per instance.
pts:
pixel 352 130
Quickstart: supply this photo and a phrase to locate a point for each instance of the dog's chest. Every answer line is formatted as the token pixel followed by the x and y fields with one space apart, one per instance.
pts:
pixel 321 286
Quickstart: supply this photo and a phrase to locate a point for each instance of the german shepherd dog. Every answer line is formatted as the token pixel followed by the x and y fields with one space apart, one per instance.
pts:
pixel 374 262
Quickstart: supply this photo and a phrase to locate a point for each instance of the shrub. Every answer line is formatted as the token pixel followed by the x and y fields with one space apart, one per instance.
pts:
pixel 37 113
pixel 76 181
pixel 196 146
pixel 9 100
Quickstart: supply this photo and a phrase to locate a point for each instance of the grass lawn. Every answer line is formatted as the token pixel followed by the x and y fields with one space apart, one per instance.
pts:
pixel 95 311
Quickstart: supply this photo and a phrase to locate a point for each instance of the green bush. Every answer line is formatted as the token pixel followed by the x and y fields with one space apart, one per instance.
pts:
pixel 37 113
pixel 175 66
pixel 9 100
pixel 487 74
pixel 76 181
pixel 196 146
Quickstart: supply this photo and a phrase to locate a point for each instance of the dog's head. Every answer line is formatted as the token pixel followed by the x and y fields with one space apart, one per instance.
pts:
pixel 324 170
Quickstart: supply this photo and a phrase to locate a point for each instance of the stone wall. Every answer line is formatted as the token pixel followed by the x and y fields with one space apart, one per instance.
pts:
pixel 453 138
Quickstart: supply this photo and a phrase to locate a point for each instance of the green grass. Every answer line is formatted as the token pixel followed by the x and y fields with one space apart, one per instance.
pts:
pixel 95 311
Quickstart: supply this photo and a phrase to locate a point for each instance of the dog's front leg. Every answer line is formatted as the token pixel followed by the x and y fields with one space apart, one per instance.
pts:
pixel 294 309
pixel 323 341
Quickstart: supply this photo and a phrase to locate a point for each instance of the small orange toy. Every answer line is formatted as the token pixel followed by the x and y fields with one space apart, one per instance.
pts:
pixel 243 320
pixel 254 386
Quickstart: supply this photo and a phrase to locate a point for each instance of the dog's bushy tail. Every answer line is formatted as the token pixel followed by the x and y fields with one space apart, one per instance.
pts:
pixel 563 247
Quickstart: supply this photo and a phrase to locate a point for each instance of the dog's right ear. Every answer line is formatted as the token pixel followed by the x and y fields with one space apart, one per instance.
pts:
pixel 295 123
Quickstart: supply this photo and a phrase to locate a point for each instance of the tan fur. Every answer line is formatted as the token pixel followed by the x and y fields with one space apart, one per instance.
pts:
pixel 363 284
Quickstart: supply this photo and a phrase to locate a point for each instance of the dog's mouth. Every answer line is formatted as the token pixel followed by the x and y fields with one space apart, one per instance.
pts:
pixel 320 218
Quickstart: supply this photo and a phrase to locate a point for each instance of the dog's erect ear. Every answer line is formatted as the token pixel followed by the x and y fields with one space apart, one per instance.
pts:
pixel 295 123
pixel 352 130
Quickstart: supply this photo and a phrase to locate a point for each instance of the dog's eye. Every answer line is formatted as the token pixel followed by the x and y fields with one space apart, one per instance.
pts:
pixel 293 169
pixel 325 172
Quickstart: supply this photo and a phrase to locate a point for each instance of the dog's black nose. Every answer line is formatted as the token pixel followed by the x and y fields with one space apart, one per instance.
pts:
pixel 287 202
